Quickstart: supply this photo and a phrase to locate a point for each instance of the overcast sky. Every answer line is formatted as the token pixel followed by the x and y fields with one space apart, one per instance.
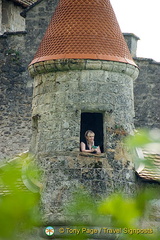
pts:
pixel 141 17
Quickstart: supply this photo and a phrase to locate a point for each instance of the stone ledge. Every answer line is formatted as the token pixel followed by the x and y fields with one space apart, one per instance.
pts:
pixel 82 64
pixel 91 155
pixel 73 154
pixel 5 34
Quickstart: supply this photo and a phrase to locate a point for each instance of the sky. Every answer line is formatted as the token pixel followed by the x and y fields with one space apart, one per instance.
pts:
pixel 141 17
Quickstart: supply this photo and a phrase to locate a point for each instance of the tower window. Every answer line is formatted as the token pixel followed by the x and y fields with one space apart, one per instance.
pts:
pixel 94 122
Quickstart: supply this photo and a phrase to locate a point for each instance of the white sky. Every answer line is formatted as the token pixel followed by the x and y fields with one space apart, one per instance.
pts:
pixel 141 17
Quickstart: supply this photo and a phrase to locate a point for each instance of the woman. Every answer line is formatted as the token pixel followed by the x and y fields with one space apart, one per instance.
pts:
pixel 88 145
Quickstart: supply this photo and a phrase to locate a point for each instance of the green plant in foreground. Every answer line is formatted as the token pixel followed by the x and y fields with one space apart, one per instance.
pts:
pixel 18 206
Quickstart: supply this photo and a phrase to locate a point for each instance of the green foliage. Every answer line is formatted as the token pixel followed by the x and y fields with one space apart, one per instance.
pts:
pixel 18 206
pixel 139 139
pixel 127 210
pixel 143 137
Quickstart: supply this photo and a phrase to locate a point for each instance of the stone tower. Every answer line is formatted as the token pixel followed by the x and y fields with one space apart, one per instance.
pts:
pixel 83 79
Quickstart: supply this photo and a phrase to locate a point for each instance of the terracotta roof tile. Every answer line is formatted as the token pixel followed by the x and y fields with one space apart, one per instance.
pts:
pixel 150 171
pixel 84 29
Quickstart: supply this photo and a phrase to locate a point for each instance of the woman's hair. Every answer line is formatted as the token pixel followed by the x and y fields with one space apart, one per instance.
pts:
pixel 87 132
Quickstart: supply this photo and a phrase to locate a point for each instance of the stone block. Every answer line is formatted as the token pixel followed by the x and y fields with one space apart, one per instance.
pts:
pixel 98 187
pixel 93 64
pixel 88 173
pixel 107 65
pixel 77 64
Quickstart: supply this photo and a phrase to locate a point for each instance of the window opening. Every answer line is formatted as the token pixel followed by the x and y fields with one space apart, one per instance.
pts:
pixel 35 120
pixel 94 122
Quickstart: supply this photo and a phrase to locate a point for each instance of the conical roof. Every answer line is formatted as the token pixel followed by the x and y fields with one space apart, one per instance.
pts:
pixel 84 29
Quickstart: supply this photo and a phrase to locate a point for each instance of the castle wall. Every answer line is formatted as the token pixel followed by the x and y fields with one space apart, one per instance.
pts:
pixel 11 20
pixel 0 16
pixel 37 21
pixel 16 52
pixel 147 94
pixel 62 91
pixel 15 97
pixel 60 97
pixel 152 213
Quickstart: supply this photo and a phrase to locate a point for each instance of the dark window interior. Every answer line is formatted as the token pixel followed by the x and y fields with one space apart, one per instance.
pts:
pixel 94 122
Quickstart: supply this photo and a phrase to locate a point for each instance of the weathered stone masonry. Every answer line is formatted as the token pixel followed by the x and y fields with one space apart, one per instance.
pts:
pixel 16 52
pixel 16 139
pixel 62 90
pixel 146 94
pixel 16 95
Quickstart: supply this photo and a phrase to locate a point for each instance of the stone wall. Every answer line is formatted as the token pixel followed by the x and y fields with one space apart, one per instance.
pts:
pixel 16 52
pixel 11 20
pixel 96 174
pixel 37 21
pixel 25 45
pixel 15 97
pixel 62 91
pixel 0 16
pixel 147 94
pixel 152 216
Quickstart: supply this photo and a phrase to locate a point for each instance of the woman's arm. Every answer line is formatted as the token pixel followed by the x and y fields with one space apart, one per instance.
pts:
pixel 83 148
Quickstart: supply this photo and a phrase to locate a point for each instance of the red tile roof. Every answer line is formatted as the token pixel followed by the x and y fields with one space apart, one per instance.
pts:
pixel 151 170
pixel 84 29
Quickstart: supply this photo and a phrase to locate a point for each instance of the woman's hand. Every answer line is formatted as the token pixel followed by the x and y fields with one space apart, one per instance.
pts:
pixel 93 150
pixel 97 150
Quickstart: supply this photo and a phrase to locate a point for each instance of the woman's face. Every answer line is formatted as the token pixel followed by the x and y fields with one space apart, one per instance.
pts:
pixel 90 137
